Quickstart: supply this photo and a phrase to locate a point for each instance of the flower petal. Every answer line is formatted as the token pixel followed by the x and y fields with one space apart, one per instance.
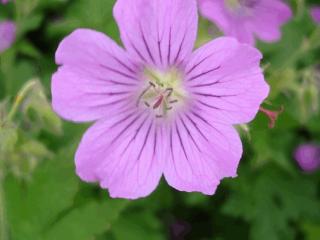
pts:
pixel 308 156
pixel 262 18
pixel 122 153
pixel 315 13
pixel 268 18
pixel 216 12
pixel 158 32
pixel 229 23
pixel 200 154
pixel 96 77
pixel 226 81
pixel 7 34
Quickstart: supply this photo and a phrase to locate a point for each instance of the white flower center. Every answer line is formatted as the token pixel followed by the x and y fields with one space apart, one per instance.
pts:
pixel 241 7
pixel 163 92
pixel 233 4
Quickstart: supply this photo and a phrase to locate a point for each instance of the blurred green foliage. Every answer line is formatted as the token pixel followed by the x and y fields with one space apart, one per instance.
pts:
pixel 41 197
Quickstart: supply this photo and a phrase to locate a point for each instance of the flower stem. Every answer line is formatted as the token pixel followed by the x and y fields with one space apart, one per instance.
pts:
pixel 19 98
pixel 3 223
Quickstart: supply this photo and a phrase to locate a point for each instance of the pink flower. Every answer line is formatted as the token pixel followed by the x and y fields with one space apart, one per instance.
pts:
pixel 4 1
pixel 315 13
pixel 158 108
pixel 308 157
pixel 247 19
pixel 7 34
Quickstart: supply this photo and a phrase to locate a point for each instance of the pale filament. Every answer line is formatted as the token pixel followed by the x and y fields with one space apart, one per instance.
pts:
pixel 162 100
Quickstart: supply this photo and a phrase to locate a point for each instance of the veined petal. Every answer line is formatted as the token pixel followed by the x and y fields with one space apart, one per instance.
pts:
pixel 96 77
pixel 158 32
pixel 226 81
pixel 200 154
pixel 273 12
pixel 248 19
pixel 230 24
pixel 123 153
pixel 215 11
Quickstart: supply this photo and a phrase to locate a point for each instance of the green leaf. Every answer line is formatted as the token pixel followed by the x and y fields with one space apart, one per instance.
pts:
pixel 86 222
pixel 137 226
pixel 261 143
pixel 35 205
pixel 29 23
pixel 8 139
pixel 270 201
pixel 95 14
pixel 312 231
pixel 25 47
pixel 16 75
pixel 288 50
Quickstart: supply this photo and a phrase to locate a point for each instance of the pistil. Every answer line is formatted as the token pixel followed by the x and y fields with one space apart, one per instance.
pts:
pixel 162 93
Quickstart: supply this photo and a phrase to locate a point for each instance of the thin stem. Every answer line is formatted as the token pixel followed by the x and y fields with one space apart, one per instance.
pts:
pixel 19 98
pixel 3 223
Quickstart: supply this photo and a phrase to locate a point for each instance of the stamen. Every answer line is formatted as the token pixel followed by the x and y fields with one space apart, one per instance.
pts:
pixel 142 94
pixel 272 115
pixel 147 104
pixel 158 102
pixel 170 91
pixel 173 101
pixel 152 84
pixel 163 90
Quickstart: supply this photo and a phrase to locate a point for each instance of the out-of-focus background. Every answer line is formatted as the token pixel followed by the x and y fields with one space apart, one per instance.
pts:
pixel 41 198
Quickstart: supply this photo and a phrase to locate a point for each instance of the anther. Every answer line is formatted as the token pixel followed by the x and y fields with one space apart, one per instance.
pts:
pixel 147 104
pixel 160 92
pixel 152 84
pixel 142 94
pixel 170 91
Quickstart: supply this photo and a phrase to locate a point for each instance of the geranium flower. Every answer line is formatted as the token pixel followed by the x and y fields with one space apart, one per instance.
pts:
pixel 158 108
pixel 308 156
pixel 247 19
pixel 315 13
pixel 7 34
